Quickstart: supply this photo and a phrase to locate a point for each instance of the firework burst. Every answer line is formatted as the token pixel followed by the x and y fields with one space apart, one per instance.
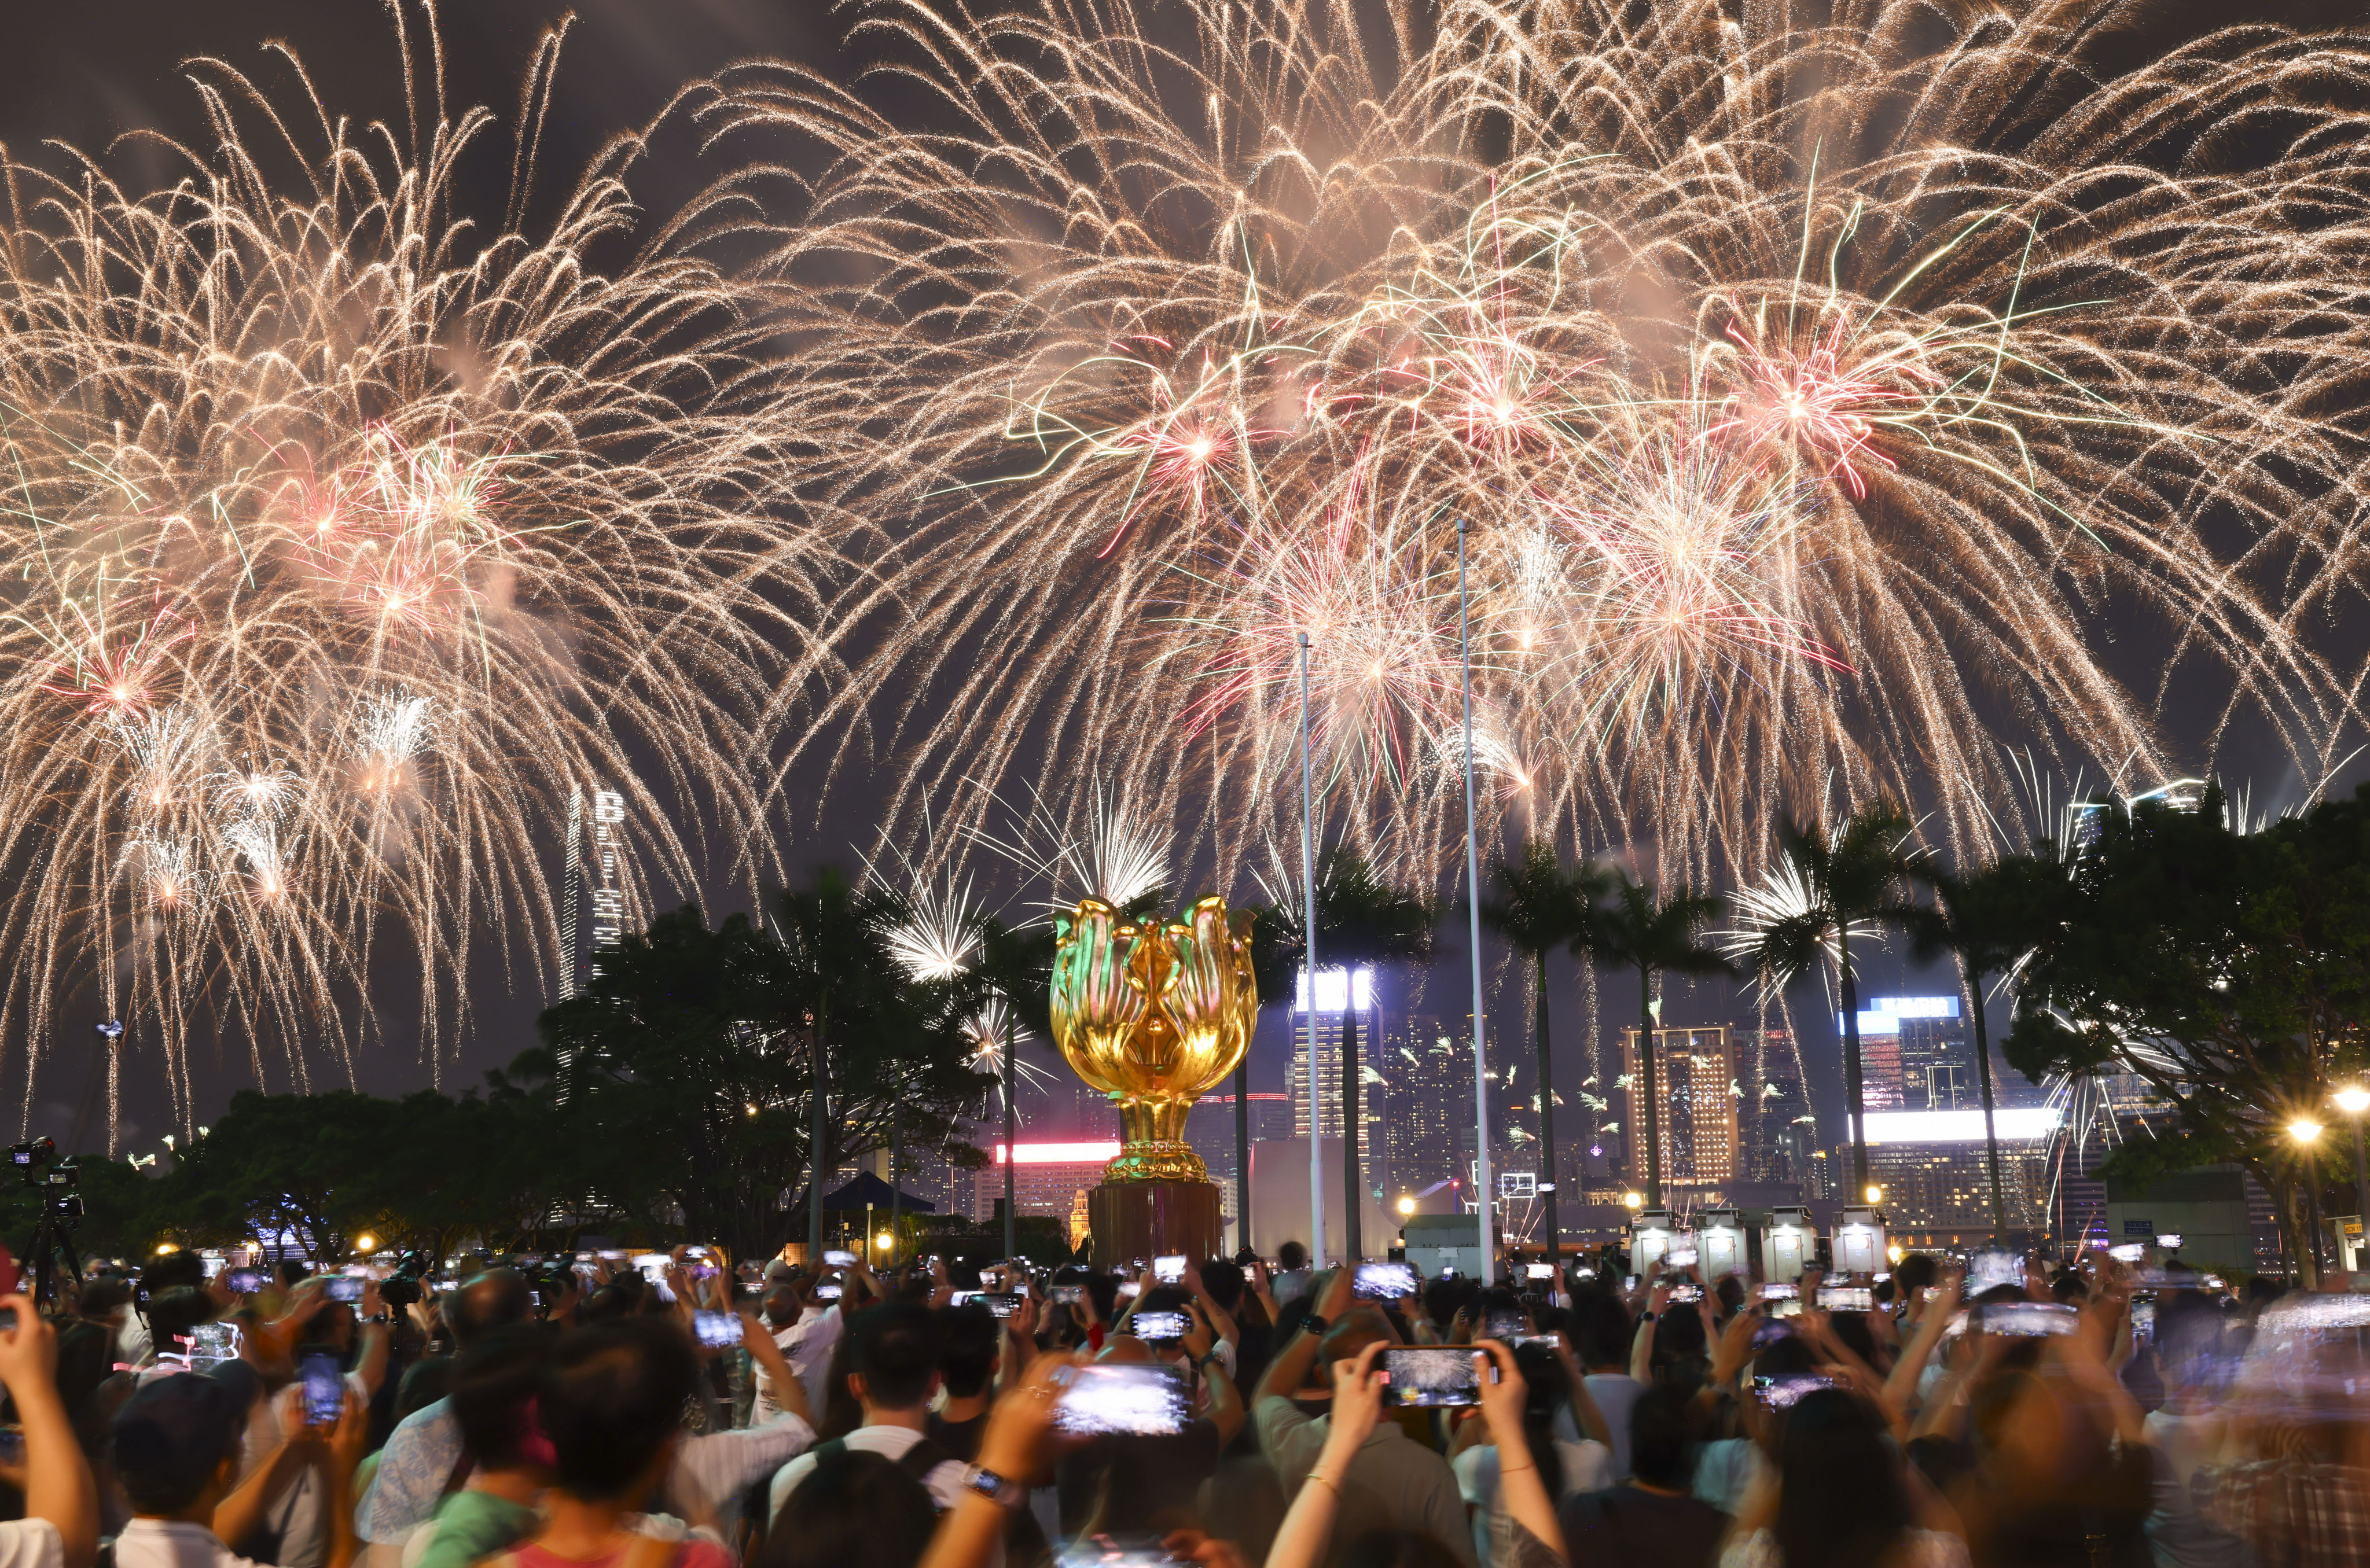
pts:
pixel 346 533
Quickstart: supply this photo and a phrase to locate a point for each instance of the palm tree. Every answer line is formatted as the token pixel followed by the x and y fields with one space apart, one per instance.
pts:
pixel 1540 905
pixel 1653 936
pixel 1361 921
pixel 1017 964
pixel 1823 892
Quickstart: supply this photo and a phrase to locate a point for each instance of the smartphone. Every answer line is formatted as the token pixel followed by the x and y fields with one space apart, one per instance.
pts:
pixel 1769 1330
pixel 1119 1550
pixel 2129 1251
pixel 695 1252
pixel 2026 1320
pixel 2144 1318
pixel 1538 1271
pixel 211 1263
pixel 1130 1398
pixel 1847 1299
pixel 703 1271
pixel 1680 1257
pixel 965 1297
pixel 1168 1327
pixel 1003 1303
pixel 836 1258
pixel 612 1254
pixel 1991 1269
pixel 1384 1282
pixel 1429 1377
pixel 716 1329
pixel 325 1387
pixel 827 1291
pixel 1169 1270
pixel 1548 1341
pixel 1778 1393
pixel 244 1281
pixel 1687 1295
pixel 212 1343
pixel 1781 1293
pixel 1069 1295
pixel 1129 1287
pixel 1505 1325
pixel 345 1289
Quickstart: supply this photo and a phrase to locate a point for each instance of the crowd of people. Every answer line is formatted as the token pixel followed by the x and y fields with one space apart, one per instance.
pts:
pixel 1222 1414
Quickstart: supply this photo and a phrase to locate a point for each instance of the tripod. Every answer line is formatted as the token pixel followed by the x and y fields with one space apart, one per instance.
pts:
pixel 52 1246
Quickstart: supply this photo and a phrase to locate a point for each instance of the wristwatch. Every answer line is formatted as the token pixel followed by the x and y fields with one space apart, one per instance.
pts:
pixel 1200 1361
pixel 1315 1324
pixel 1000 1490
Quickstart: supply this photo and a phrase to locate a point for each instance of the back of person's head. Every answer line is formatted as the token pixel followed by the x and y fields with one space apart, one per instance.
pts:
pixel 854 1510
pixel 1396 1548
pixel 1918 1272
pixel 174 1315
pixel 612 1399
pixel 893 1348
pixel 495 1382
pixel 1291 1256
pixel 173 1435
pixel 1165 1299
pixel 1851 1330
pixel 1102 1289
pixel 424 1382
pixel 1678 1331
pixel 2068 1289
pixel 1841 1502
pixel 491 1301
pixel 1730 1294
pixel 85 1359
pixel 969 1338
pixel 104 1295
pixel 1661 1439
pixel 1601 1330
pixel 783 1304
pixel 1222 1282
pixel 171 1271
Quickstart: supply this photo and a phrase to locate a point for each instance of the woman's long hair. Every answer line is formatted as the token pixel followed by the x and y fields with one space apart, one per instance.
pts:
pixel 1841 1500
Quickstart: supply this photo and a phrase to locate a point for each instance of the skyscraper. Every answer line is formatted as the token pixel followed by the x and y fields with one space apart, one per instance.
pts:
pixel 1771 1146
pixel 1429 1135
pixel 1696 1072
pixel 593 886
pixel 1337 991
pixel 1914 1053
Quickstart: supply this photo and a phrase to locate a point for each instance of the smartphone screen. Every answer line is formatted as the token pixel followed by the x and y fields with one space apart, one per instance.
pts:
pixel 838 1259
pixel 325 1389
pixel 1845 1298
pixel 1685 1295
pixel 1118 1551
pixel 1538 1271
pixel 828 1291
pixel 716 1329
pixel 2028 1320
pixel 1384 1282
pixel 1779 1393
pixel 1429 1376
pixel 244 1281
pixel 1781 1293
pixel 1680 1257
pixel 1169 1270
pixel 1164 1326
pixel 1108 1396
pixel 345 1289
pixel 1069 1295
pixel 1506 1326
pixel 1769 1330
pixel 1003 1303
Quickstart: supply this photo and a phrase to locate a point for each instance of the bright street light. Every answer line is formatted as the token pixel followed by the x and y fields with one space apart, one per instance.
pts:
pixel 884 1240
pixel 2353 1099
pixel 365 1242
pixel 2304 1129
pixel 1875 1192
pixel 1406 1206
pixel 1634 1200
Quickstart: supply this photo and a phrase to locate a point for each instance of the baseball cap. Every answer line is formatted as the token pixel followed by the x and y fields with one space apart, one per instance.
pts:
pixel 174 1431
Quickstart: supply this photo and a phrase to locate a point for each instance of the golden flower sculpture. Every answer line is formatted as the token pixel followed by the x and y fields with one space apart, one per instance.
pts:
pixel 1154 1015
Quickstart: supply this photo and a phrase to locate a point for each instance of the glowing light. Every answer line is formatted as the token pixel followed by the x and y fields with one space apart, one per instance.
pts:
pixel 1875 1192
pixel 1633 1200
pixel 365 1242
pixel 2304 1129
pixel 1406 1206
pixel 2352 1100
pixel 1059 1153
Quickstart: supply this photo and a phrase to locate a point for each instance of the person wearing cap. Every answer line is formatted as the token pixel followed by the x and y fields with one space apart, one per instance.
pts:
pixel 178 1450
pixel 60 1529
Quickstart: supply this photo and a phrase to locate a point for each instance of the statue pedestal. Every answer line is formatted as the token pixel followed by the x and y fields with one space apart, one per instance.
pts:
pixel 1149 1220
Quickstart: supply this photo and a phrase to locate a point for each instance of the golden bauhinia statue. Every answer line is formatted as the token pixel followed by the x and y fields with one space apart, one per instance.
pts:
pixel 1153 1015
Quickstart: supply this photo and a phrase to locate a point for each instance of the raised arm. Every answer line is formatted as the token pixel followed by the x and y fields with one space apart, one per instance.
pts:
pixel 1289 1367
pixel 58 1486
pixel 1520 1489
pixel 1308 1527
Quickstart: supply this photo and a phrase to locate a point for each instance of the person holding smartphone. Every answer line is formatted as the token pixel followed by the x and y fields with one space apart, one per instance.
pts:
pixel 1389 1481
pixel 60 1529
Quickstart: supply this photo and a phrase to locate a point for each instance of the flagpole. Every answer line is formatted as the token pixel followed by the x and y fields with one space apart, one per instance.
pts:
pixel 1483 1188
pixel 1308 970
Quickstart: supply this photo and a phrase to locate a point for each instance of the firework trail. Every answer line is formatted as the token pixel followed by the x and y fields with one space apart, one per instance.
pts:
pixel 344 535
pixel 1945 338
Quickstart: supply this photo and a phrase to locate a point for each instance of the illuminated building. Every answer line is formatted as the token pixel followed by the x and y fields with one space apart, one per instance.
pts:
pixel 591 900
pixel 1337 992
pixel 1209 1129
pixel 1428 1138
pixel 1772 1145
pixel 1937 1180
pixel 1046 1178
pixel 1696 1071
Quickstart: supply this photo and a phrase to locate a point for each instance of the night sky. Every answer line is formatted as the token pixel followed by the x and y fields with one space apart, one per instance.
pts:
pixel 86 73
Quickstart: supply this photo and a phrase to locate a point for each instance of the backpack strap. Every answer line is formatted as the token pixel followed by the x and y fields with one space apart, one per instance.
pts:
pixel 924 1457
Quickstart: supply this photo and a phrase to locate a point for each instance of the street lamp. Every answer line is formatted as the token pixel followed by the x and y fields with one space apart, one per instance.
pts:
pixel 1406 1206
pixel 2306 1133
pixel 884 1240
pixel 1633 1200
pixel 366 1243
pixel 1875 1192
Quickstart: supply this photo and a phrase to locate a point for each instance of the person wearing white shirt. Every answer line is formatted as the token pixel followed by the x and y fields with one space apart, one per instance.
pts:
pixel 808 1342
pixel 60 1529
pixel 893 1373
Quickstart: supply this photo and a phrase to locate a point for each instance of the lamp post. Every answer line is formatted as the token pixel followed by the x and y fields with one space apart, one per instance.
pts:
pixel 2306 1133
pixel 1483 1187
pixel 2354 1100
pixel 1308 969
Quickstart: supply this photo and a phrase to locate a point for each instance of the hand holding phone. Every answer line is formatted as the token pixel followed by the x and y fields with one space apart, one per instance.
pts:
pixel 1429 1377
pixel 1385 1282
pixel 325 1387
pixel 717 1330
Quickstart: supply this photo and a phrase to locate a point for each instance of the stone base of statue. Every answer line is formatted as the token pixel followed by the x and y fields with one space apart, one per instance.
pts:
pixel 1150 1220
